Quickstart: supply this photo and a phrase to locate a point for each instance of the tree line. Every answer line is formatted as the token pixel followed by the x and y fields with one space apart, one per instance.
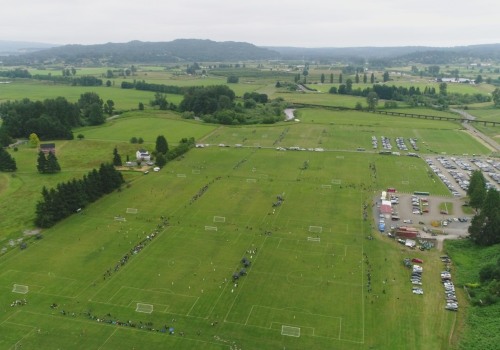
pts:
pixel 143 86
pixel 69 197
pixel 412 95
pixel 51 118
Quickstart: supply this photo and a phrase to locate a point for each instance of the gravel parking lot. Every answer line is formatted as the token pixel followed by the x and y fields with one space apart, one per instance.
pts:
pixel 454 229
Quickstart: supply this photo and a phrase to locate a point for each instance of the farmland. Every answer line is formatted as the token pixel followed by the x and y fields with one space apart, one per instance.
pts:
pixel 161 275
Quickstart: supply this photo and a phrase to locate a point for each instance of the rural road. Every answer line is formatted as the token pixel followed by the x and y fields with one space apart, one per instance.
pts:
pixel 486 140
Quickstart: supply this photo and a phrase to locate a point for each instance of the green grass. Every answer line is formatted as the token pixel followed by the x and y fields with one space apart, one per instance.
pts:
pixel 357 128
pixel 147 125
pixel 317 286
pixel 35 90
pixel 446 207
pixel 468 259
pixel 320 287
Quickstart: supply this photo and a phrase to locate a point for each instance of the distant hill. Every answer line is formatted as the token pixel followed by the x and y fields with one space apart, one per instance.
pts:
pixel 181 50
pixel 196 50
pixel 21 47
pixel 394 55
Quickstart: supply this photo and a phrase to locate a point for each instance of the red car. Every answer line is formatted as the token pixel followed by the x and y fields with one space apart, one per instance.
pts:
pixel 415 260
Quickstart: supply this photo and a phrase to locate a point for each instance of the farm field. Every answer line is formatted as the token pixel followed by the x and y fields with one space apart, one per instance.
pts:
pixel 309 263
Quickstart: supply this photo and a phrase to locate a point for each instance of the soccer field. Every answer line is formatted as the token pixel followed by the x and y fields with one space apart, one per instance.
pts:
pixel 228 248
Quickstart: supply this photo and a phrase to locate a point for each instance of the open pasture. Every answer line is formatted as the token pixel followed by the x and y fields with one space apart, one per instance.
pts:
pixel 309 259
pixel 124 99
pixel 355 129
pixel 148 126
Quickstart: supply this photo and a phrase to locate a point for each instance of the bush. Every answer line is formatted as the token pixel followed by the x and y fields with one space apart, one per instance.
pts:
pixel 133 139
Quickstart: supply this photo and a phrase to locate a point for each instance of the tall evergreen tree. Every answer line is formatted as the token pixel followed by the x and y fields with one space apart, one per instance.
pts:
pixel 161 160
pixel 117 160
pixel 477 189
pixel 485 226
pixel 52 164
pixel 161 144
pixel 372 78
pixel 331 78
pixel 7 163
pixel 41 163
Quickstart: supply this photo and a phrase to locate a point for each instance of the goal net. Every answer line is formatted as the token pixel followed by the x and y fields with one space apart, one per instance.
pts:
pixel 316 229
pixel 336 181
pixel 144 308
pixel 210 228
pixel 314 239
pixel 131 210
pixel 290 331
pixel 181 175
pixel 20 288
pixel 326 186
pixel 196 171
pixel 219 219
pixel 120 218
pixel 251 180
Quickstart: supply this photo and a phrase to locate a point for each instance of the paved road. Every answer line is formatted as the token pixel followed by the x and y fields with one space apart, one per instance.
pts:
pixel 493 145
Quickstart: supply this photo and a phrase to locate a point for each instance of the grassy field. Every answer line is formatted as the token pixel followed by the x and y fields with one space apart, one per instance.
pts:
pixel 186 271
pixel 312 270
pixel 468 260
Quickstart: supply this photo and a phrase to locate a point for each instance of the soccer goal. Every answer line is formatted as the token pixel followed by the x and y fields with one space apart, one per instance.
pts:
pixel 131 210
pixel 326 186
pixel 313 239
pixel 20 288
pixel 144 308
pixel 251 180
pixel 336 181
pixel 219 219
pixel 316 229
pixel 181 175
pixel 405 182
pixel 196 171
pixel 210 228
pixel 120 218
pixel 340 157
pixel 290 331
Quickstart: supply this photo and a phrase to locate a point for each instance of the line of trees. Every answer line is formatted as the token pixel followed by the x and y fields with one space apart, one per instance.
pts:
pixel 52 118
pixel 67 198
pixel 142 85
pixel 412 95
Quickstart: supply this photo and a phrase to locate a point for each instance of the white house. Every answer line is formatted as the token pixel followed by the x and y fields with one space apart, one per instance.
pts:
pixel 142 154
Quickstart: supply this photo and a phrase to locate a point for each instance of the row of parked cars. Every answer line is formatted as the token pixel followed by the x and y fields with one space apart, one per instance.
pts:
pixel 400 143
pixel 416 276
pixel 419 205
pixel 449 287
pixel 488 166
pixel 445 163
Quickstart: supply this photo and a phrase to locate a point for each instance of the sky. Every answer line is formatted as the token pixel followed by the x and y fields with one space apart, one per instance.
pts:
pixel 321 23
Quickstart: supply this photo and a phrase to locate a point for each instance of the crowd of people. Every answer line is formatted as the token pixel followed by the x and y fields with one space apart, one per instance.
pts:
pixel 202 190
pixel 137 248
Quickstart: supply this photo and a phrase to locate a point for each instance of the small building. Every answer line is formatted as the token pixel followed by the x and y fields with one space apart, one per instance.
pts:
pixel 48 148
pixel 142 154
